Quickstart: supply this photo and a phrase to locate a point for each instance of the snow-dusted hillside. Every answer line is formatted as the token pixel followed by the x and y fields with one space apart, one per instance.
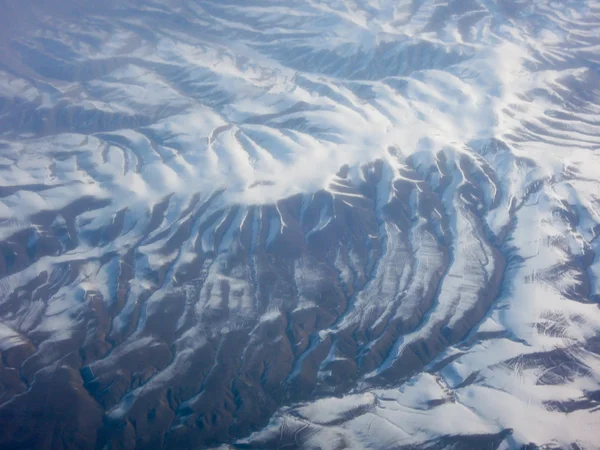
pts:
pixel 313 224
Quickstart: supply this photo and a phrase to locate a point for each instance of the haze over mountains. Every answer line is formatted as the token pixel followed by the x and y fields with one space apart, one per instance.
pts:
pixel 300 224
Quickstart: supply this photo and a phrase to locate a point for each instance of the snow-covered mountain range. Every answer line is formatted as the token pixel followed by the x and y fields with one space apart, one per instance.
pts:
pixel 300 224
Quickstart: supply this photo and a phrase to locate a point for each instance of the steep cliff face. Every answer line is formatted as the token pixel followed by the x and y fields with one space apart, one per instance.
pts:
pixel 306 225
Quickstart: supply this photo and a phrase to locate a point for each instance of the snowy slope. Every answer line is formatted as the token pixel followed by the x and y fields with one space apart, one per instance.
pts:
pixel 320 224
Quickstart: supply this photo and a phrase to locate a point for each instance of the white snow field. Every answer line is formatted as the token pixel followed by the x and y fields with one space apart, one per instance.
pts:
pixel 361 224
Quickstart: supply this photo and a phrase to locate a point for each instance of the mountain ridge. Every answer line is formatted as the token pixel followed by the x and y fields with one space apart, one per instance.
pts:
pixel 316 225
